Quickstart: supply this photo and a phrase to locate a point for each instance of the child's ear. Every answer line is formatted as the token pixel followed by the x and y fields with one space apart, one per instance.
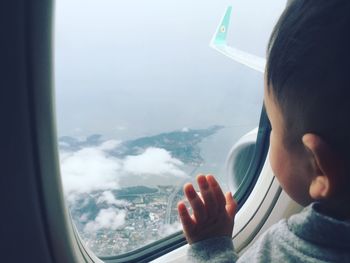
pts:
pixel 327 167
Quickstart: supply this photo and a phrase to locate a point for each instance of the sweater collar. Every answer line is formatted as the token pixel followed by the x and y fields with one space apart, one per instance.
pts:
pixel 313 226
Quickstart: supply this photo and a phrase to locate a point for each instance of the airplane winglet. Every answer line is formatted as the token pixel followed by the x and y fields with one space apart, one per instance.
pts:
pixel 221 32
pixel 218 42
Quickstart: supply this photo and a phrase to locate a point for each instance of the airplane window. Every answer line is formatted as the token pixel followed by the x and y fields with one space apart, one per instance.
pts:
pixel 144 105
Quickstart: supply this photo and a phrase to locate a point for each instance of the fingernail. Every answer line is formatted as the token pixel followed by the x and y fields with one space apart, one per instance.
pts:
pixel 212 180
pixel 202 181
pixel 190 192
pixel 181 206
pixel 199 175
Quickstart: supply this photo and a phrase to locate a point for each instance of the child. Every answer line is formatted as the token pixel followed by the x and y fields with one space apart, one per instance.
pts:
pixel 307 99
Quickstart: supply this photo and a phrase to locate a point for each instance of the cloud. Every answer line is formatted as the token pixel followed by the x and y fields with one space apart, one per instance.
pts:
pixel 108 198
pixel 109 145
pixel 83 218
pixel 110 218
pixel 154 161
pixel 89 169
pixel 168 229
pixel 94 168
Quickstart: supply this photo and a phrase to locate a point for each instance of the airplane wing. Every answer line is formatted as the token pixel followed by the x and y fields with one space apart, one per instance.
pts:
pixel 219 43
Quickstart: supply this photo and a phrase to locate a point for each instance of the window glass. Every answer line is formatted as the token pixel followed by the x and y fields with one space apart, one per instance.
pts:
pixel 144 104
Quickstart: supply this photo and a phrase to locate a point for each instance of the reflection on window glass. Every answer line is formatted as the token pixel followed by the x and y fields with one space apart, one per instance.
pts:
pixel 143 105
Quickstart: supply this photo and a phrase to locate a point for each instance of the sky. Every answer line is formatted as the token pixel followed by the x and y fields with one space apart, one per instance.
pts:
pixel 127 69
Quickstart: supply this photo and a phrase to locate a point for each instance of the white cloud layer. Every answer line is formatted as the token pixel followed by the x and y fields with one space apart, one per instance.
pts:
pixel 89 169
pixel 154 161
pixel 108 198
pixel 168 229
pixel 109 145
pixel 110 218
pixel 93 168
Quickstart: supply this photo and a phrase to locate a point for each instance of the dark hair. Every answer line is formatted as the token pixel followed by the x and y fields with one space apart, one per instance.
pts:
pixel 308 70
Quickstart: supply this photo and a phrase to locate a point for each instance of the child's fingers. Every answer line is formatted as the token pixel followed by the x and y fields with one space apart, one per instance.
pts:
pixel 231 205
pixel 196 203
pixel 216 189
pixel 186 220
pixel 207 195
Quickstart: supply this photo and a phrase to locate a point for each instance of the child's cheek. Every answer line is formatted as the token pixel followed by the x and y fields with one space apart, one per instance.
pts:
pixel 277 158
pixel 273 154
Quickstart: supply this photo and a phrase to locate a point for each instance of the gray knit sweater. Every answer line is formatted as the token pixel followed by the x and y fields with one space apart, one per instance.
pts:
pixel 305 237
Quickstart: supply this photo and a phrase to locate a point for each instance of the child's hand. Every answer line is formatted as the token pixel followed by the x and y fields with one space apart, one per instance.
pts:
pixel 213 212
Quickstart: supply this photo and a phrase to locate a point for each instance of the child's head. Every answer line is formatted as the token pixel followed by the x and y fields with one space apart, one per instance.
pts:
pixel 308 92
